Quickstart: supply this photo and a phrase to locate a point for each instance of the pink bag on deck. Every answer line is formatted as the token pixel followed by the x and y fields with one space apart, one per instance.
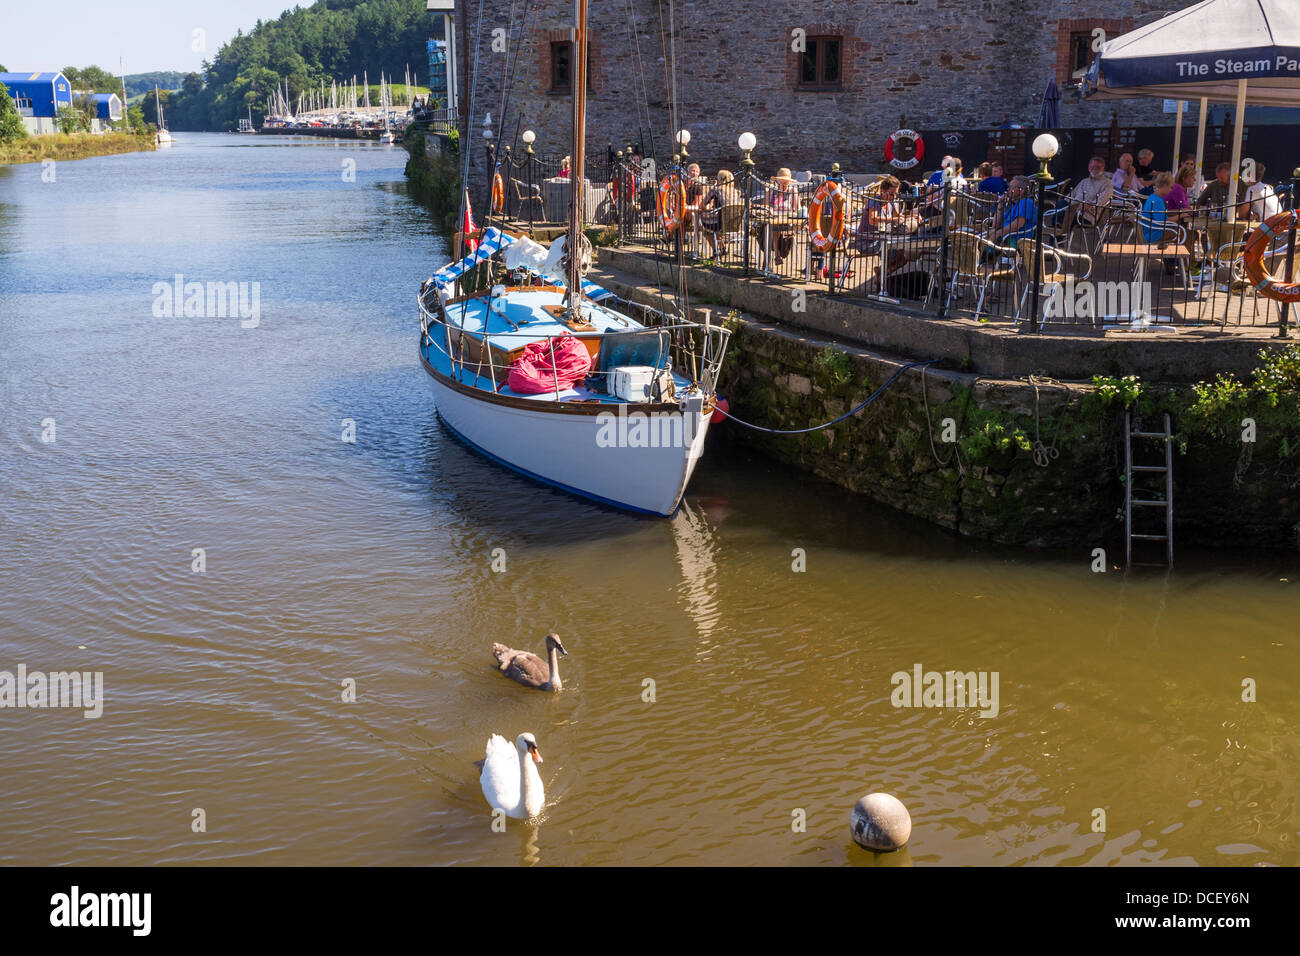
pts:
pixel 564 361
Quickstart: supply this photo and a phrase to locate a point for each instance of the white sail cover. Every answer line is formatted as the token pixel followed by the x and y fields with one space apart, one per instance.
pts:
pixel 1204 51
pixel 494 240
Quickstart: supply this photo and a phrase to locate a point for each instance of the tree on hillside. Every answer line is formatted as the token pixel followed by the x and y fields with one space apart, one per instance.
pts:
pixel 94 79
pixel 11 124
pixel 150 108
pixel 305 48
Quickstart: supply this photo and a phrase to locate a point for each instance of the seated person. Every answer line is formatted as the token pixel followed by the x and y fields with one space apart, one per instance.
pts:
pixel 694 184
pixel 1146 176
pixel 1090 196
pixel 935 181
pixel 883 215
pixel 1261 201
pixel 1215 194
pixel 565 168
pixel 722 194
pixel 933 202
pixel 783 204
pixel 1155 221
pixel 1125 179
pixel 994 183
pixel 1019 214
pixel 624 187
pixel 982 172
pixel 1184 181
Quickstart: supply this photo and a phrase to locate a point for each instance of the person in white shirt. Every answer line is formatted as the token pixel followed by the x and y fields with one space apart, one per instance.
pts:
pixel 1125 179
pixel 1261 201
pixel 1090 195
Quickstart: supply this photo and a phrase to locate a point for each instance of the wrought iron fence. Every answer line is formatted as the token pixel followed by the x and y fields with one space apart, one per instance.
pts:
pixel 951 249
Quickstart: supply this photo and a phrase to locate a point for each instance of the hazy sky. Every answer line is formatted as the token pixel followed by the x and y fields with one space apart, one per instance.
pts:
pixel 147 34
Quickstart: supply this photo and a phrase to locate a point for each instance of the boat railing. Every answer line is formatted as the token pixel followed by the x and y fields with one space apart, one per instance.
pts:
pixel 695 350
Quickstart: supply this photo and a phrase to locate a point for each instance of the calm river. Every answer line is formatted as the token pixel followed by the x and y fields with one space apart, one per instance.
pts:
pixel 224 736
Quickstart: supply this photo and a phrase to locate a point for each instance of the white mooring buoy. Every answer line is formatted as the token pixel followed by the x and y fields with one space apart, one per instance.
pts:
pixel 880 822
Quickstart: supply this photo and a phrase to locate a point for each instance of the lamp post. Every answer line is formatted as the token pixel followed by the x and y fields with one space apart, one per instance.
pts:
pixel 617 180
pixel 683 138
pixel 529 137
pixel 1045 147
pixel 491 164
pixel 746 142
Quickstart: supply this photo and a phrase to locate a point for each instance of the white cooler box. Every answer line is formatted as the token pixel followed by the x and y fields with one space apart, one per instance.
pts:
pixel 636 383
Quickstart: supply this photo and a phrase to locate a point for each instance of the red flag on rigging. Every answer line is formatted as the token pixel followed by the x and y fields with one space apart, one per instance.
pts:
pixel 467 227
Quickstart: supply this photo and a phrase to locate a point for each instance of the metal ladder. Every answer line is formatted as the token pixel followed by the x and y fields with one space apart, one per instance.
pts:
pixel 1131 501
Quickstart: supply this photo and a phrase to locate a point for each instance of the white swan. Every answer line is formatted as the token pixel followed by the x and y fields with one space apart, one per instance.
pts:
pixel 510 781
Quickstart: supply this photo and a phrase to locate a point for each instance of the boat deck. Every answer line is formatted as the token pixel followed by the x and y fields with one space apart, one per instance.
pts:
pixel 521 318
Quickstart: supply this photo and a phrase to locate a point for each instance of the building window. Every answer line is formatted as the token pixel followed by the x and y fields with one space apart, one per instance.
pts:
pixel 1074 42
pixel 561 67
pixel 819 63
pixel 1080 55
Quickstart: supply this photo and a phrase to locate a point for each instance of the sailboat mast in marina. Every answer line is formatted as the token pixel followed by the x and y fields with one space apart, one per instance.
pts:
pixel 545 372
pixel 162 136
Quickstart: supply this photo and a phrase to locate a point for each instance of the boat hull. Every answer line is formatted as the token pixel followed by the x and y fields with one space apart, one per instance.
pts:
pixel 605 455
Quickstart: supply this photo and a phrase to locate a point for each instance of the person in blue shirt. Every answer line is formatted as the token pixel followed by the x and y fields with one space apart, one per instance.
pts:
pixel 1020 216
pixel 1154 220
pixel 995 183
pixel 936 177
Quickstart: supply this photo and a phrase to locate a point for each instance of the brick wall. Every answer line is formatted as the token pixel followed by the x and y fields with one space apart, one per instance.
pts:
pixel 926 63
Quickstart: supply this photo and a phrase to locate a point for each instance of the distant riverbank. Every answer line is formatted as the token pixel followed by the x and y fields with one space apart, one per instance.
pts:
pixel 60 146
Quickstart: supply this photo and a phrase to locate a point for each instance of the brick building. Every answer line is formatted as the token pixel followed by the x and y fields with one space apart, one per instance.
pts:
pixel 864 68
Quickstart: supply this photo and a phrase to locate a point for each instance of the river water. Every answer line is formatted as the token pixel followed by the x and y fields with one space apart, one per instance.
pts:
pixel 224 735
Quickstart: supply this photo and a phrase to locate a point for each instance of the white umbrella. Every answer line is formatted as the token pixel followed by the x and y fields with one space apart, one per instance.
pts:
pixel 1242 51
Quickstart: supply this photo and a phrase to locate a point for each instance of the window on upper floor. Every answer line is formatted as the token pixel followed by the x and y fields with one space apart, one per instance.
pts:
pixel 562 67
pixel 820 63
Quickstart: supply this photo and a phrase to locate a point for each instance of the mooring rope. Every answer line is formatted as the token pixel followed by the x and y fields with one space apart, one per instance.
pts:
pixel 849 414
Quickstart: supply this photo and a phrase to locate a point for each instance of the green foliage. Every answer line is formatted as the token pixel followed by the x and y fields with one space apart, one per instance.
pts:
pixel 135 117
pixel 1217 408
pixel 149 108
pixel 70 119
pixel 93 79
pixel 833 366
pixel 1123 391
pixel 11 123
pixel 995 436
pixel 137 83
pixel 304 46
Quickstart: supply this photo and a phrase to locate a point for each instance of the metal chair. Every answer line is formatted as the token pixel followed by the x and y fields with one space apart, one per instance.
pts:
pixel 523 196
pixel 967 251
pixel 1048 279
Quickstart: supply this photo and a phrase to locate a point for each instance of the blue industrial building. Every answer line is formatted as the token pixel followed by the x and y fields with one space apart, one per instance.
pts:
pixel 108 109
pixel 38 96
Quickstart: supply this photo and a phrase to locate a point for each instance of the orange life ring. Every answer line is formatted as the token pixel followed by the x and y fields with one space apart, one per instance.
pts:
pixel 918 145
pixel 498 193
pixel 829 191
pixel 1252 258
pixel 672 201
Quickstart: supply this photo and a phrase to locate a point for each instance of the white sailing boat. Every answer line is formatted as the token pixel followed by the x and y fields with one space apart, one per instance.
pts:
pixel 554 377
pixel 387 135
pixel 163 137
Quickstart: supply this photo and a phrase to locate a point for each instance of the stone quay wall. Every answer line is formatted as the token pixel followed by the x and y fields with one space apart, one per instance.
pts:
pixel 957 446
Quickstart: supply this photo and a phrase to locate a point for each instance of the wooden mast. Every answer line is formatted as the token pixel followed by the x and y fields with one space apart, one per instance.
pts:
pixel 578 79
